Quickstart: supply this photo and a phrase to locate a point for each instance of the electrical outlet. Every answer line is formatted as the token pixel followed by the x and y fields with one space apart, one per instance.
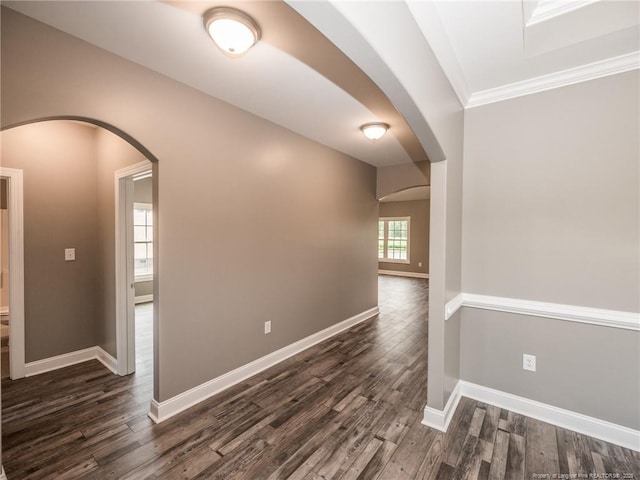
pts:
pixel 529 362
pixel 267 327
pixel 419 264
pixel 69 254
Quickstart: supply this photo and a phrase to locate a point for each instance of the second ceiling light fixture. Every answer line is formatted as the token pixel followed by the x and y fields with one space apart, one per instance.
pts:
pixel 235 32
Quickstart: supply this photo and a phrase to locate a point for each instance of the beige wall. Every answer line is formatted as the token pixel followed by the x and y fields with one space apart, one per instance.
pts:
pixel 400 177
pixel 60 211
pixel 418 210
pixel 69 202
pixel 552 214
pixel 276 228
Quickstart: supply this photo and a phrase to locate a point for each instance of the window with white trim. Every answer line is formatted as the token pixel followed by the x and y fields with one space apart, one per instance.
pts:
pixel 143 241
pixel 393 239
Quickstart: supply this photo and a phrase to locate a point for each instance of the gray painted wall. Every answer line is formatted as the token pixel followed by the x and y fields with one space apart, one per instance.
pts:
pixel 552 213
pixel 552 196
pixel 418 210
pixel 60 211
pixel 306 257
pixel 587 369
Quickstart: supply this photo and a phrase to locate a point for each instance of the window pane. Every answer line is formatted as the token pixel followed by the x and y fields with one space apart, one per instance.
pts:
pixel 393 242
pixel 150 250
pixel 139 216
pixel 148 266
pixel 139 234
pixel 143 267
pixel 140 251
pixel 139 267
pixel 149 217
pixel 402 250
pixel 149 234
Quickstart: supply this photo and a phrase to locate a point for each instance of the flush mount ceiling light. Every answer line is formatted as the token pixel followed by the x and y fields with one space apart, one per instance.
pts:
pixel 233 31
pixel 374 131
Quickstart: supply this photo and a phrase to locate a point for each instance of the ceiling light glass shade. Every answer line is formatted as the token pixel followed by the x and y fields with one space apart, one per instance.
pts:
pixel 374 131
pixel 233 31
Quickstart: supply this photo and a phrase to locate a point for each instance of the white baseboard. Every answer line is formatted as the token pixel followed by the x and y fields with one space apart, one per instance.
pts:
pixel 161 411
pixel 594 427
pixel 154 412
pixel 107 360
pixel 3 476
pixel 403 274
pixel 440 419
pixel 143 299
pixel 71 358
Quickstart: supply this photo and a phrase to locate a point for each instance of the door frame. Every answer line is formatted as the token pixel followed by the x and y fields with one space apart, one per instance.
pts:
pixel 125 278
pixel 15 202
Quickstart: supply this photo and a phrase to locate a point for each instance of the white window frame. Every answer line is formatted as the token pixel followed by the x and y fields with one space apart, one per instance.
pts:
pixel 143 206
pixel 386 238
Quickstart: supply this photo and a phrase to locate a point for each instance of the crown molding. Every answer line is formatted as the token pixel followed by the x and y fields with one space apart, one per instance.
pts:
pixel 592 71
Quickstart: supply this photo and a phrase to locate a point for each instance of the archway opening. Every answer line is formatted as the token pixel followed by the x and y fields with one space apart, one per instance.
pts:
pixel 62 227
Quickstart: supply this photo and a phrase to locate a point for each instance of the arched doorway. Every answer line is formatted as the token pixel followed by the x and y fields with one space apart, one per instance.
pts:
pixel 70 198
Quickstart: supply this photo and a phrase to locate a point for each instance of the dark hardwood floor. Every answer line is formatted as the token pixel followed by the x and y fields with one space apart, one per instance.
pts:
pixel 348 408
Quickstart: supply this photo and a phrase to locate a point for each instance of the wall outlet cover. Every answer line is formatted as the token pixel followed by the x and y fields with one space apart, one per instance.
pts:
pixel 529 362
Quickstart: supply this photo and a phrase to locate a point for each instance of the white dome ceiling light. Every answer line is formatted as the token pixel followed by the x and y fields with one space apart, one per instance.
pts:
pixel 374 131
pixel 233 31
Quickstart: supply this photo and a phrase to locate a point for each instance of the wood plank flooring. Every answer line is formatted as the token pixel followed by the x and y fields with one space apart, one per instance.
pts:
pixel 348 408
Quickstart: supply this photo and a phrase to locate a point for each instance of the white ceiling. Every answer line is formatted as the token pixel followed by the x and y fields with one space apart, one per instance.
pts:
pixel 493 50
pixel 490 51
pixel 265 81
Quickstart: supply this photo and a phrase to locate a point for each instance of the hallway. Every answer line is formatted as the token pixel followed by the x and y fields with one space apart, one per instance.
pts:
pixel 349 407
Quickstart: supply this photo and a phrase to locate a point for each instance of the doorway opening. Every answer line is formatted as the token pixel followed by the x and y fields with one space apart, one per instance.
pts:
pixel 143 272
pixel 4 276
pixel 11 285
pixel 403 233
pixel 134 267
